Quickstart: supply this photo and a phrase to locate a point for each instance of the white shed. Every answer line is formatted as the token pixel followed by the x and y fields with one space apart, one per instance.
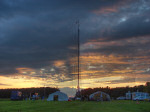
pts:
pixel 57 96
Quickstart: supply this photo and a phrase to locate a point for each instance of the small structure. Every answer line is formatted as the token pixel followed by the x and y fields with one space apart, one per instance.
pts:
pixel 16 95
pixel 99 96
pixel 57 96
pixel 131 96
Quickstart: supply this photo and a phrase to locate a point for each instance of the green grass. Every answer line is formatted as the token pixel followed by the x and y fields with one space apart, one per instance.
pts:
pixel 73 106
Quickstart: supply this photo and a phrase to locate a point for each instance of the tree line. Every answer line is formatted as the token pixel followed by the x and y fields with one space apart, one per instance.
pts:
pixel 6 93
pixel 113 92
pixel 118 91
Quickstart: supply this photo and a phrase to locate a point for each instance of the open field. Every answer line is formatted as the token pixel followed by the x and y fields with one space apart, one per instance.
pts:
pixel 73 106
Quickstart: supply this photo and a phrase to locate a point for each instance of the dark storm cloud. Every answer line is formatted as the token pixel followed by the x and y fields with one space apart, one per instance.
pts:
pixel 39 5
pixel 132 20
pixel 115 25
pixel 34 33
pixel 139 26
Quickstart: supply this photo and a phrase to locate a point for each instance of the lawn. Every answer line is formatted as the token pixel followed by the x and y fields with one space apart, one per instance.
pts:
pixel 73 106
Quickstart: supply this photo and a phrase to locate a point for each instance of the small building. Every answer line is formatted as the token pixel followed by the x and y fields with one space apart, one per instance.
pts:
pixel 99 96
pixel 57 96
pixel 131 96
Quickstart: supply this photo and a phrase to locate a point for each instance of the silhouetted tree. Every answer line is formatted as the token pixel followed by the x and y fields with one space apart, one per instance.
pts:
pixel 118 91
pixel 6 93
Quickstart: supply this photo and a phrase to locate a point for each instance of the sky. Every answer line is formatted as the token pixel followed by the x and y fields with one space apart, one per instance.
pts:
pixel 38 43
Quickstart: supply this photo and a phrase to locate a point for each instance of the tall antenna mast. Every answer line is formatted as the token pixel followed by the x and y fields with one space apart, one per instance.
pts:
pixel 78 87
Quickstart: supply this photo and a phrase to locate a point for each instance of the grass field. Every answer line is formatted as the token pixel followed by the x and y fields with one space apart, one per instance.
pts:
pixel 73 106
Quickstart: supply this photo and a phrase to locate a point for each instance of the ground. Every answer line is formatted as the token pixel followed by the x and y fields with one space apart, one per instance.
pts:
pixel 73 106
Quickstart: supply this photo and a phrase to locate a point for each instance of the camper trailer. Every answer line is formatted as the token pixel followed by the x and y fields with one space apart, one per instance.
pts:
pixel 136 95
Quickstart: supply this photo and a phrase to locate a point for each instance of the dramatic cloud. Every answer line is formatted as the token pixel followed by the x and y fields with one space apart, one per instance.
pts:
pixel 39 41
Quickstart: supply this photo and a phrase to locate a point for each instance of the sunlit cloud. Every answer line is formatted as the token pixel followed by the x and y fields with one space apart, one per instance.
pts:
pixel 59 63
